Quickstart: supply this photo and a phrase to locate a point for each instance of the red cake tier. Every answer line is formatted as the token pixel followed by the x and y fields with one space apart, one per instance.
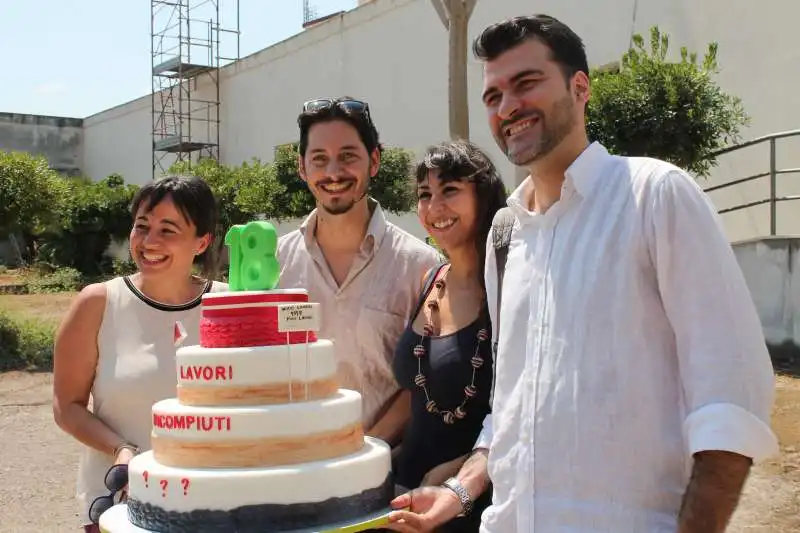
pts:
pixel 235 319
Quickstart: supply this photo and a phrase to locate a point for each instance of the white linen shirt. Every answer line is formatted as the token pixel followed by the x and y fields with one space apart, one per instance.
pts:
pixel 628 342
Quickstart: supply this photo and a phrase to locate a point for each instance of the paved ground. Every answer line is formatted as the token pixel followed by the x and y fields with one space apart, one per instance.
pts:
pixel 37 462
pixel 37 470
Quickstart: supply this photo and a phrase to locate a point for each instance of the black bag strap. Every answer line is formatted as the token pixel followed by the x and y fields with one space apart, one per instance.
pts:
pixel 502 227
pixel 426 288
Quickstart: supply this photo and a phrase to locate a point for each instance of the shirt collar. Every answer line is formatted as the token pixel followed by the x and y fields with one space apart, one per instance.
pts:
pixel 587 167
pixel 581 175
pixel 376 229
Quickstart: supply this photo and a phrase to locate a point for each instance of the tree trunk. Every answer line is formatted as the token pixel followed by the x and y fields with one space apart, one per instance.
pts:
pixel 455 15
pixel 459 105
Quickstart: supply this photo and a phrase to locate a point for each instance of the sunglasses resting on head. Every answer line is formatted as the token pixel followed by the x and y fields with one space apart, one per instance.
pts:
pixel 348 105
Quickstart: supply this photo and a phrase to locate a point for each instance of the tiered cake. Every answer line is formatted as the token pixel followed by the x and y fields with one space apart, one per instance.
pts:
pixel 260 437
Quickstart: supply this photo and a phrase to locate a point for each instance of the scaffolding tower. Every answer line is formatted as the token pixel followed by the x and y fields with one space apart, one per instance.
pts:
pixel 189 44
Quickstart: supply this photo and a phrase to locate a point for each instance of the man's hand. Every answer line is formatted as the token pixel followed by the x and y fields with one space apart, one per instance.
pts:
pixel 428 508
pixel 713 492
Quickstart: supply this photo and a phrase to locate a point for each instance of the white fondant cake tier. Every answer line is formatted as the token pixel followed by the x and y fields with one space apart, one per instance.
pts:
pixel 195 423
pixel 257 365
pixel 186 490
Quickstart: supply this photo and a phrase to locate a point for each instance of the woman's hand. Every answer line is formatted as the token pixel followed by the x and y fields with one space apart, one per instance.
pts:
pixel 123 457
pixel 440 473
pixel 423 509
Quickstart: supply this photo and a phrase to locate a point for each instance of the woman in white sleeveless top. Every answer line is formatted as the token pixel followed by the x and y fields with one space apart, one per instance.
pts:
pixel 116 340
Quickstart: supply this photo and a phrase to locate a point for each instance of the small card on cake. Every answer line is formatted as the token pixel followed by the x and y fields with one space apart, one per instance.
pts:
pixel 298 317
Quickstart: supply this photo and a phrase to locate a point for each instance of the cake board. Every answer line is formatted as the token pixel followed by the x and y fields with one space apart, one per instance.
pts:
pixel 115 520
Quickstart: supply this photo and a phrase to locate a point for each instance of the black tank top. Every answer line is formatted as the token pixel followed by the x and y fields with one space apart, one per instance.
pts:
pixel 447 367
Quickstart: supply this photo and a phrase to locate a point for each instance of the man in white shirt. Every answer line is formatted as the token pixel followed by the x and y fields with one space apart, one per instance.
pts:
pixel 365 272
pixel 633 387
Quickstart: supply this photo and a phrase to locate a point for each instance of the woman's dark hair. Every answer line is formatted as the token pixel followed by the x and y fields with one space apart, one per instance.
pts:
pixel 565 45
pixel 194 200
pixel 464 161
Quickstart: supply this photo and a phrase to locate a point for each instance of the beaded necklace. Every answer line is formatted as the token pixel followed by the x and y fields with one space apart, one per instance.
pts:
pixel 428 330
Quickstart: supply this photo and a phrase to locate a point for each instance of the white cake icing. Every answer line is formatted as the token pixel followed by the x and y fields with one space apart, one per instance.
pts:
pixel 246 406
pixel 209 424
pixel 225 489
pixel 259 365
pixel 237 294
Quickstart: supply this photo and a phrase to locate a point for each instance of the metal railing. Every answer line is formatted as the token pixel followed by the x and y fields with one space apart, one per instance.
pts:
pixel 773 174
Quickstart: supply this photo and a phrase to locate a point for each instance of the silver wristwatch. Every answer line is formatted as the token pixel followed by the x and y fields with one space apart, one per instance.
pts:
pixel 462 493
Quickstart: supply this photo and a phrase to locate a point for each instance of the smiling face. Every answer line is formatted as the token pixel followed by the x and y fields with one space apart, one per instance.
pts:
pixel 448 209
pixel 531 108
pixel 163 241
pixel 337 166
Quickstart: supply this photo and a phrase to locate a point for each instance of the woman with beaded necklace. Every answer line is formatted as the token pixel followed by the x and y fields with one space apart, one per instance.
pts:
pixel 444 355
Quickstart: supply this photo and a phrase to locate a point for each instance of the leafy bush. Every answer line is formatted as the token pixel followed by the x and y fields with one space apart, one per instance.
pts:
pixel 63 279
pixel 32 196
pixel 228 181
pixel 674 111
pixel 276 191
pixel 95 214
pixel 25 344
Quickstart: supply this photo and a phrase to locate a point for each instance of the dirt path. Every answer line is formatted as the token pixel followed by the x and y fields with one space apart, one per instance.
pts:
pixel 38 461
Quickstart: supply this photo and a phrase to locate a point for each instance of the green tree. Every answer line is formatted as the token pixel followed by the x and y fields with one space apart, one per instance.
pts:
pixel 93 215
pixel 392 186
pixel 31 196
pixel 671 110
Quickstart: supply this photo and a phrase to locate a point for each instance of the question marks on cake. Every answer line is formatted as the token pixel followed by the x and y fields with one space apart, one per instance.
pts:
pixel 164 483
pixel 253 264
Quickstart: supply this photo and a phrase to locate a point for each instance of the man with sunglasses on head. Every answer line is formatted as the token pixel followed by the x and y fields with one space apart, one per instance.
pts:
pixel 364 271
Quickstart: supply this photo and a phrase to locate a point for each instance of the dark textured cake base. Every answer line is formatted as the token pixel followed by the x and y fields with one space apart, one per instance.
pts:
pixel 266 518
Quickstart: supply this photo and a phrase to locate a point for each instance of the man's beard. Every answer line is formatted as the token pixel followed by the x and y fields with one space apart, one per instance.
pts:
pixel 556 126
pixel 340 208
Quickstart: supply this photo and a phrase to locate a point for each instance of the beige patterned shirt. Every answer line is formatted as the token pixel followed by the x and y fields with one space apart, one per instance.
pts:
pixel 365 316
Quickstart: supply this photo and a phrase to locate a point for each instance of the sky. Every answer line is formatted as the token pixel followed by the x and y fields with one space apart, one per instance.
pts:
pixel 75 58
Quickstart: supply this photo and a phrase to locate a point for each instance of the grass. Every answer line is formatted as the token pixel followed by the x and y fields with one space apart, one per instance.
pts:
pixel 27 325
pixel 47 308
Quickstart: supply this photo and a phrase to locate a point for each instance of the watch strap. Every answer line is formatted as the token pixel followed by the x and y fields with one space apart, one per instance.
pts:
pixel 462 493
pixel 126 445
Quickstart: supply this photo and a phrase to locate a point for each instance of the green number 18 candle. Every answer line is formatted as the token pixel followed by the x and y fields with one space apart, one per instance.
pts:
pixel 253 262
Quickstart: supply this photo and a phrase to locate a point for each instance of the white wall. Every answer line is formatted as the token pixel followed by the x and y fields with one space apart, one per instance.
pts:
pixel 393 53
pixel 772 270
pixel 118 141
pixel 58 139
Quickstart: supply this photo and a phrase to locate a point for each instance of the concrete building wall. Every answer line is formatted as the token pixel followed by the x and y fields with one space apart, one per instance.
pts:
pixel 772 269
pixel 393 53
pixel 59 139
pixel 118 140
